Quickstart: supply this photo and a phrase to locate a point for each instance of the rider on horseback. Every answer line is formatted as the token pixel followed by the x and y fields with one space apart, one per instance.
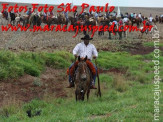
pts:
pixel 84 49
pixel 29 12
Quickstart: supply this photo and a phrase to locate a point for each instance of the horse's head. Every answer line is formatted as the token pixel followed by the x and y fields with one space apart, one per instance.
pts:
pixel 82 78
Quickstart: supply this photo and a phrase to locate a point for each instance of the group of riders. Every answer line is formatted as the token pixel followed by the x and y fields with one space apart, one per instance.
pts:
pixel 93 15
pixel 85 18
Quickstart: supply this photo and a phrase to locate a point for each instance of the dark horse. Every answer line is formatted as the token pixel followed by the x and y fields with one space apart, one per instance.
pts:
pixel 12 16
pixel 82 79
pixel 34 20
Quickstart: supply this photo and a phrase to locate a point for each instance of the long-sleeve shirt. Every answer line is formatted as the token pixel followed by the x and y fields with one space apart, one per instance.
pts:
pixel 82 50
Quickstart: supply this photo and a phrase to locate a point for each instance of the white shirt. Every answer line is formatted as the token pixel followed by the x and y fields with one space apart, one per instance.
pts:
pixel 135 15
pixel 150 19
pixel 115 22
pixel 82 50
pixel 96 15
pixel 125 19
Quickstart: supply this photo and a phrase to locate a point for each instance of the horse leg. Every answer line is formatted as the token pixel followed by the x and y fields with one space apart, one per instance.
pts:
pixel 120 35
pixel 76 96
pixel 109 35
pixel 115 35
pixel 84 32
pixel 99 33
pixel 102 32
pixel 88 91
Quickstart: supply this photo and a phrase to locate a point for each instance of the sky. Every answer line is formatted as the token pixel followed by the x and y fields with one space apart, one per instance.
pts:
pixel 126 3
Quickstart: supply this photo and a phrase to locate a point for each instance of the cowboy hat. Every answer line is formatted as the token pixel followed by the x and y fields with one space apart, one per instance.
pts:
pixel 86 37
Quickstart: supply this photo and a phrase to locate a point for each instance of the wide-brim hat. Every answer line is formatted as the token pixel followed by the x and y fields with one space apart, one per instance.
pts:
pixel 86 37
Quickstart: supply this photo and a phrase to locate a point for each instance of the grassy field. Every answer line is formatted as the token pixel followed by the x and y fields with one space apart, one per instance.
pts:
pixel 126 92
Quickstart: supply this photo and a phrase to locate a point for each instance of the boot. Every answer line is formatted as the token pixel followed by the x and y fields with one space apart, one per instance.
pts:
pixel 93 87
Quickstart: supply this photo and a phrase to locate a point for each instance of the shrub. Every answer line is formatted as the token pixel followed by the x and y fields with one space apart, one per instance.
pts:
pixel 15 71
pixel 34 107
pixel 37 82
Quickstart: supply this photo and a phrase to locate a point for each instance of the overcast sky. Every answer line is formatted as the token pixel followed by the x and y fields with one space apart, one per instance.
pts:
pixel 128 3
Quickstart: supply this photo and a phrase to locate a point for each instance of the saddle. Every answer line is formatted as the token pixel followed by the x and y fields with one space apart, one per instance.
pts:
pixel 74 67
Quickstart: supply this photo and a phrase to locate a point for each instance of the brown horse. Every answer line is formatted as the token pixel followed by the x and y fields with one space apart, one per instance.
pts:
pixel 48 20
pixel 82 79
pixel 72 20
pixel 136 21
pixel 160 19
pixel 62 19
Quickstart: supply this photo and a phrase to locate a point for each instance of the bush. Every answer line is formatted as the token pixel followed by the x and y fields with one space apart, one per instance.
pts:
pixel 37 82
pixel 15 71
pixel 35 107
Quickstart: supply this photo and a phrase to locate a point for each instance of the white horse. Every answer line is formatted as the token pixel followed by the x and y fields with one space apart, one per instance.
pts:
pixel 17 18
pixel 147 31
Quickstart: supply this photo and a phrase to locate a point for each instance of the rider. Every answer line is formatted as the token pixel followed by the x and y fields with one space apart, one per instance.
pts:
pixel 96 15
pixel 66 15
pixel 29 12
pixel 150 18
pixel 75 14
pixel 84 49
pixel 132 15
pixel 135 15
pixel 5 14
pixel 115 22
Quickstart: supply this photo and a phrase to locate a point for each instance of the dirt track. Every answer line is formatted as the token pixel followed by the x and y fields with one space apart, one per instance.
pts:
pixel 50 41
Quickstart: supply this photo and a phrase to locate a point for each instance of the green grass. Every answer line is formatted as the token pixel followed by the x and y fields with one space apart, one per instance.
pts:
pixel 151 44
pixel 127 97
pixel 128 106
pixel 137 67
pixel 14 65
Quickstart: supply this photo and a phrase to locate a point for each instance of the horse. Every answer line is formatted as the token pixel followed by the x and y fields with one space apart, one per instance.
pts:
pixel 82 80
pixel 34 20
pixel 19 19
pixel 147 31
pixel 161 19
pixel 72 20
pixel 62 19
pixel 4 16
pixel 12 16
pixel 100 23
pixel 113 29
pixel 136 21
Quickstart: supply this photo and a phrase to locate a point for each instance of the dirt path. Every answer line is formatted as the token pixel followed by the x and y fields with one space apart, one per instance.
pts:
pixel 26 88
